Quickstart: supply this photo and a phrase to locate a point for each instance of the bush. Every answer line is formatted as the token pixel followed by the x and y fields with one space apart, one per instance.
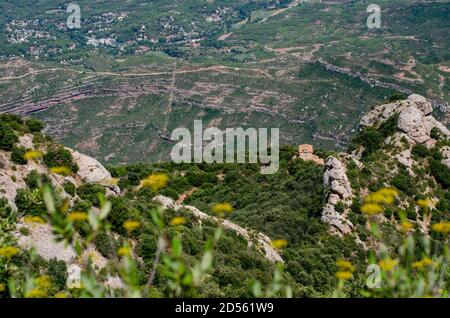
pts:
pixel 34 125
pixel 197 178
pixel 435 133
pixel 34 178
pixel 70 188
pixel 340 207
pixel 120 212
pixel 5 209
pixel 147 246
pixel 371 139
pixel 420 151
pixel 105 245
pixel 18 155
pixel 60 157
pixel 90 192
pixel 30 202
pixel 396 97
pixel 7 137
pixel 404 182
pixel 57 270
pixel 440 172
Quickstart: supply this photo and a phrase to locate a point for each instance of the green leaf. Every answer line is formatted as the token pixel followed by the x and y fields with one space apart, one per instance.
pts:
pixel 48 199
pixel 177 248
pixel 207 260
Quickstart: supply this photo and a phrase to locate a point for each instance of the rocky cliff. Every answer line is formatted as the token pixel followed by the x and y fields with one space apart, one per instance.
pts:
pixel 413 127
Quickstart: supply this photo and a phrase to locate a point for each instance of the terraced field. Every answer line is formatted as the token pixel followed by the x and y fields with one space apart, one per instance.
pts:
pixel 312 69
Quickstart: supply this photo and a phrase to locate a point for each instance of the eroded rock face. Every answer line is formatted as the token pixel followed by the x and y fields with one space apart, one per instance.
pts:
pixel 421 103
pixel 12 176
pixel 335 180
pixel 41 238
pixel 411 122
pixel 415 119
pixel 91 171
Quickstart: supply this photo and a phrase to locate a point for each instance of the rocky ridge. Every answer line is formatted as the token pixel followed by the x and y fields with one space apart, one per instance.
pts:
pixel 263 242
pixel 415 125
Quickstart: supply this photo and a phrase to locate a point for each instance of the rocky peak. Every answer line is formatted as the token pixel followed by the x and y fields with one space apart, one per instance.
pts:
pixel 338 189
pixel 415 118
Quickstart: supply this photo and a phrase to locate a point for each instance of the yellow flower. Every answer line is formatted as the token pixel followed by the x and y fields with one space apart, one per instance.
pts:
pixel 179 220
pixel 61 295
pixel 443 227
pixel 222 208
pixel 36 293
pixel 382 196
pixel 426 261
pixel 155 181
pixel 131 225
pixel 112 181
pixel 32 154
pixel 344 275
pixel 43 282
pixel 425 204
pixel 388 264
pixel 123 251
pixel 406 226
pixel 33 219
pixel 279 244
pixel 2 288
pixel 345 265
pixel 8 251
pixel 64 171
pixel 77 216
pixel 371 209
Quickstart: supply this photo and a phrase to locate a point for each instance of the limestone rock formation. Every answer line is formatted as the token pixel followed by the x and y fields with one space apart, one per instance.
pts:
pixel 415 118
pixel 92 171
pixel 12 176
pixel 263 242
pixel 335 180
pixel 411 122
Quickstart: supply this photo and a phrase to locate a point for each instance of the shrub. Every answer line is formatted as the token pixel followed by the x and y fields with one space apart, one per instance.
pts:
pixel 435 133
pixel 5 209
pixel 34 178
pixel 420 151
pixel 441 173
pixel 404 182
pixel 90 192
pixel 105 245
pixel 60 157
pixel 120 212
pixel 340 207
pixel 57 270
pixel 70 188
pixel 389 127
pixel 147 246
pixel 371 139
pixel 30 202
pixel 7 137
pixel 17 155
pixel 396 97
pixel 197 178
pixel 34 125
